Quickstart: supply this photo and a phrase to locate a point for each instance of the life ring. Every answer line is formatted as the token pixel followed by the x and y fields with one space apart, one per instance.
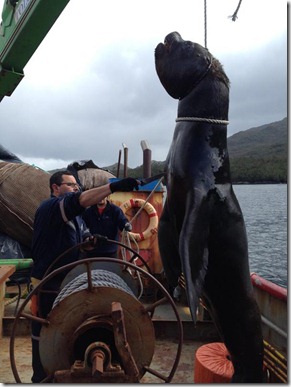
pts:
pixel 150 210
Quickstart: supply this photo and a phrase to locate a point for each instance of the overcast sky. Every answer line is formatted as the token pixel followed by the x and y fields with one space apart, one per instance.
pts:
pixel 91 85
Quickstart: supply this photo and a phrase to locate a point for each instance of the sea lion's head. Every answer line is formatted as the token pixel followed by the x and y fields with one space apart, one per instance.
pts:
pixel 182 64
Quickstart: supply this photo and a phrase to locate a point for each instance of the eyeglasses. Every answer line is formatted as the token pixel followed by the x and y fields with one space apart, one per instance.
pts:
pixel 71 184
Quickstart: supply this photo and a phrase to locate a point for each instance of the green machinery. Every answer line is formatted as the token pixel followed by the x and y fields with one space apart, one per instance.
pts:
pixel 24 25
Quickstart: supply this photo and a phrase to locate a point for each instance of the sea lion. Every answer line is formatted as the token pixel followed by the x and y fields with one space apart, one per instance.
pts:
pixel 201 231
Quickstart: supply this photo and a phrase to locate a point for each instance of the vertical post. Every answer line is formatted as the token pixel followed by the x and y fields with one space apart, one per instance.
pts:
pixel 118 164
pixel 147 159
pixel 125 149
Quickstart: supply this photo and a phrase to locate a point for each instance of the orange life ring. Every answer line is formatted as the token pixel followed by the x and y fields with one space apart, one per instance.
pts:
pixel 150 210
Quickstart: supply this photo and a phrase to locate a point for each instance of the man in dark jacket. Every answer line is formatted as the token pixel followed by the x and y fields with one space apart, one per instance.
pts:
pixel 58 226
pixel 105 219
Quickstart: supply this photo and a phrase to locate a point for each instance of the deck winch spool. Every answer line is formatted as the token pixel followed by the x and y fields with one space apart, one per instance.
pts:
pixel 120 270
pixel 83 323
pixel 98 331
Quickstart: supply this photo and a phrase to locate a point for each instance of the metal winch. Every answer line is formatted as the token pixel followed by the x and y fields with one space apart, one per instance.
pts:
pixel 104 331
pixel 98 331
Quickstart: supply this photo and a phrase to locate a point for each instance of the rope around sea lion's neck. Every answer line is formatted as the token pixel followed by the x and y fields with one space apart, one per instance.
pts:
pixel 209 120
pixel 199 79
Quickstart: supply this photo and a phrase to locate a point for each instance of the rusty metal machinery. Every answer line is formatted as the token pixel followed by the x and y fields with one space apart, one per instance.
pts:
pixel 89 328
pixel 98 330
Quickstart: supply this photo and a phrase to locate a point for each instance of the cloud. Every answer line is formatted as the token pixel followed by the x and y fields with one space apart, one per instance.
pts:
pixel 119 100
pixel 99 92
pixel 258 86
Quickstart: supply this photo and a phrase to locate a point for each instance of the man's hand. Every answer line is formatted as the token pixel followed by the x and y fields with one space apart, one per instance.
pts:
pixel 125 185
pixel 127 226
pixel 90 243
pixel 93 241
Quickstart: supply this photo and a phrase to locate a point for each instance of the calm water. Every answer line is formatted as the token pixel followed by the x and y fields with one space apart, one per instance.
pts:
pixel 264 208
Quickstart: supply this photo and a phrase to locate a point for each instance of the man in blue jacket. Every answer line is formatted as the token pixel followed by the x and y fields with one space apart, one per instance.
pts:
pixel 58 226
pixel 105 219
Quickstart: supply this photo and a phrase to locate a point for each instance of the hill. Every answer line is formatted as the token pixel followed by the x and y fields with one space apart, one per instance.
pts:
pixel 257 155
pixel 260 155
pixel 270 139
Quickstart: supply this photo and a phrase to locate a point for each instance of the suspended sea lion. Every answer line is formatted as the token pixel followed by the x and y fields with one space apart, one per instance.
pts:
pixel 202 232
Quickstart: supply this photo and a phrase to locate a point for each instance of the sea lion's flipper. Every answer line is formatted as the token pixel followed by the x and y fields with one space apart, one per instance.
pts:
pixel 168 246
pixel 193 249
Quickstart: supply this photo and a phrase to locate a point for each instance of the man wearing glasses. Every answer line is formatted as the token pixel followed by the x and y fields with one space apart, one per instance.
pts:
pixel 58 226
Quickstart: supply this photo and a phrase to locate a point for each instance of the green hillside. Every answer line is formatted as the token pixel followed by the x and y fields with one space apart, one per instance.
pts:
pixel 260 154
pixel 266 140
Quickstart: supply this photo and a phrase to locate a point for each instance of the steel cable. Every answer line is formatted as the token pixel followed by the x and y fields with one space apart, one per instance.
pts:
pixel 100 278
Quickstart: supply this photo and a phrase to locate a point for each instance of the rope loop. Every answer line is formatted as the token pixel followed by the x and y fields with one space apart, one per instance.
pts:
pixel 198 119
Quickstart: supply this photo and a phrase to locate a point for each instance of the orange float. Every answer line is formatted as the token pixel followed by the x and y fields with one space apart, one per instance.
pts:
pixel 213 364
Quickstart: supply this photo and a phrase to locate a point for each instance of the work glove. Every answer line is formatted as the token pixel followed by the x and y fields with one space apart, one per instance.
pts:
pixel 124 185
pixel 127 226
pixel 91 242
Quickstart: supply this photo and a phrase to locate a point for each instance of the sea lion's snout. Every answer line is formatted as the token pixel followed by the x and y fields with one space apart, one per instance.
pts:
pixel 171 38
pixel 168 42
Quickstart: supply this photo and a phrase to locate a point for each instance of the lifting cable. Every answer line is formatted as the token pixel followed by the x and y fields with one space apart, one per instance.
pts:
pixel 205 23
pixel 233 18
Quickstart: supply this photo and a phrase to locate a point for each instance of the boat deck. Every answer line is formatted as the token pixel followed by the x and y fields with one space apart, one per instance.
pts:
pixel 162 361
pixel 166 345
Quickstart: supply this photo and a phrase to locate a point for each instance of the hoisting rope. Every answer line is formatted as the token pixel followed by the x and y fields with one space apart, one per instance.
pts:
pixel 126 238
pixel 205 23
pixel 126 241
pixel 148 198
pixel 233 18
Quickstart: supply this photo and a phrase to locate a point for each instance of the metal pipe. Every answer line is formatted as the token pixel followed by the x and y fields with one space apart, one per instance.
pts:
pixel 274 327
pixel 21 263
pixel 147 159
pixel 125 150
pixel 118 164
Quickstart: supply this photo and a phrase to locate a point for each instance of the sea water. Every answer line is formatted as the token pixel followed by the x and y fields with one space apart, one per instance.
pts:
pixel 264 207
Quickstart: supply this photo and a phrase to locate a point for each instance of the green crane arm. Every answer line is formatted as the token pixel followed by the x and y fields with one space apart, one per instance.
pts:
pixel 24 25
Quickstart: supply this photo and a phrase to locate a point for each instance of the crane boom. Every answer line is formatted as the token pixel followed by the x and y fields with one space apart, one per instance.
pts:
pixel 24 25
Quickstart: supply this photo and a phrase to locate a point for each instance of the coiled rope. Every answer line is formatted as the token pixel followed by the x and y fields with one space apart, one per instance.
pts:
pixel 100 278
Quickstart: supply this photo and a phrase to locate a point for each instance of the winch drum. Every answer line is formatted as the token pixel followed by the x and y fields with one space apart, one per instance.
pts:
pixel 74 307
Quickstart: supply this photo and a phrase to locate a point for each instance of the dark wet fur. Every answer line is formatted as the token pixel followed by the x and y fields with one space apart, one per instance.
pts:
pixel 202 231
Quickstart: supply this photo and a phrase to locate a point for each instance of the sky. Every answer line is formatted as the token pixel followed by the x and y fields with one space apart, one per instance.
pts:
pixel 91 87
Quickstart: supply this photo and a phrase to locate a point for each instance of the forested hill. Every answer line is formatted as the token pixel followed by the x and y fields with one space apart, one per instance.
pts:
pixel 257 155
pixel 270 139
pixel 260 154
